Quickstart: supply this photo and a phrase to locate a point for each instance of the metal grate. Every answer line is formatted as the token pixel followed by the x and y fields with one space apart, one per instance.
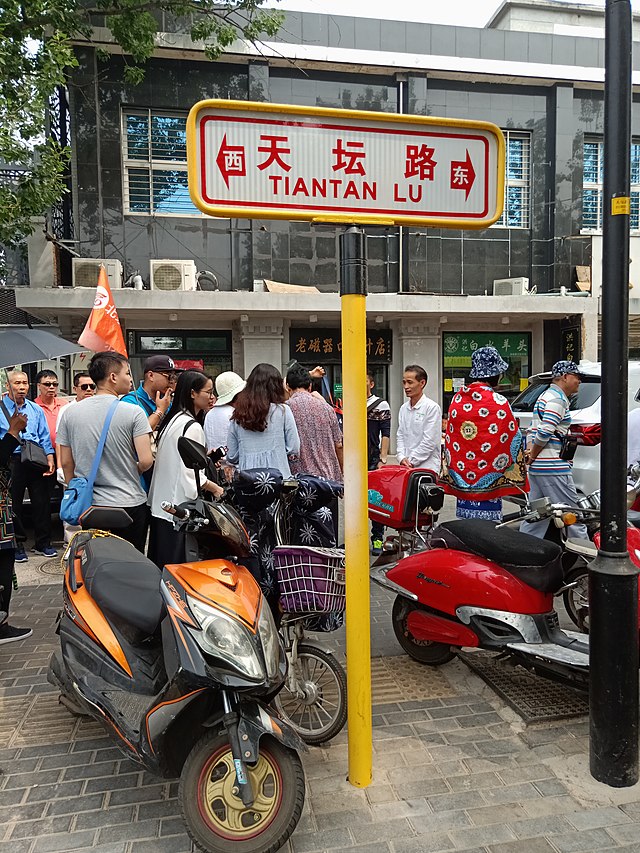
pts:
pixel 533 698
pixel 12 316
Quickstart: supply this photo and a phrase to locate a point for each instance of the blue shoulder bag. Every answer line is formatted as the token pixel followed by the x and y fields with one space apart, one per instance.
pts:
pixel 78 495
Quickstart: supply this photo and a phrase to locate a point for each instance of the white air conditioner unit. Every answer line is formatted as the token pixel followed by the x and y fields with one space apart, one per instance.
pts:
pixel 172 275
pixel 85 271
pixel 511 286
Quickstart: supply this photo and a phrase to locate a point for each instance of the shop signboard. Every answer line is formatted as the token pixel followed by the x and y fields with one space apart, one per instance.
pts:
pixel 570 344
pixel 324 346
pixel 292 162
pixel 458 347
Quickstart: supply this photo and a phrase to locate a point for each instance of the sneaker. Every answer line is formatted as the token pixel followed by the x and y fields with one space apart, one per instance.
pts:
pixel 21 556
pixel 47 551
pixel 376 547
pixel 9 634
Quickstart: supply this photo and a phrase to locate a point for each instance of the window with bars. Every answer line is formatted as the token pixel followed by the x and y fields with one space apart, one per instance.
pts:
pixel 155 163
pixel 593 181
pixel 517 181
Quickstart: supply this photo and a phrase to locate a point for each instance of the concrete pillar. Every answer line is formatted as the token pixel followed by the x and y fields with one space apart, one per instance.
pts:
pixel 261 342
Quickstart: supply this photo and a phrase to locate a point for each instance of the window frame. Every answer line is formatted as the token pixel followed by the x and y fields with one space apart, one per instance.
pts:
pixel 151 164
pixel 525 182
pixel 598 186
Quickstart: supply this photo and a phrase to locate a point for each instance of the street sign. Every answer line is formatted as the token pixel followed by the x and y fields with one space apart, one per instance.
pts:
pixel 270 161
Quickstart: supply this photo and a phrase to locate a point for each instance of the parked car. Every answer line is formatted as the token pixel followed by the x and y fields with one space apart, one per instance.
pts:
pixel 585 417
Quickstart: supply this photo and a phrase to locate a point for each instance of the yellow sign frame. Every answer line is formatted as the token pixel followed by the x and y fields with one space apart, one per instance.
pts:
pixel 235 212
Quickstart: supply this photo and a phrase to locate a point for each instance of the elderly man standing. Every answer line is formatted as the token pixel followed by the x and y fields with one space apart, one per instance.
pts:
pixel 48 400
pixel 419 436
pixel 549 474
pixel 24 475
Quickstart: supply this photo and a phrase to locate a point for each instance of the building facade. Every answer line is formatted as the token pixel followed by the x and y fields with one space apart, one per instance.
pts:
pixel 431 290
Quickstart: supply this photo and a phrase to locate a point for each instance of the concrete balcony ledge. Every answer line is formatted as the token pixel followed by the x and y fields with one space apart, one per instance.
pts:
pixel 204 308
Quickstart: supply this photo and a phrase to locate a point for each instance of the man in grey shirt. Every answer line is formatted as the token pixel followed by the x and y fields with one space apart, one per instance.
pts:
pixel 127 450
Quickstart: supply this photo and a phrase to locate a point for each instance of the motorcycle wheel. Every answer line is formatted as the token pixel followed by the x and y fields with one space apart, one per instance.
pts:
pixel 576 599
pixel 423 651
pixel 322 712
pixel 216 818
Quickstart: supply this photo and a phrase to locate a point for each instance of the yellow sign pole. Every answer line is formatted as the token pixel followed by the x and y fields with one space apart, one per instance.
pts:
pixel 354 371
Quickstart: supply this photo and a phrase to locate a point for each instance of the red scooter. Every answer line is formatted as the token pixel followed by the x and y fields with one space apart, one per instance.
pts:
pixel 470 583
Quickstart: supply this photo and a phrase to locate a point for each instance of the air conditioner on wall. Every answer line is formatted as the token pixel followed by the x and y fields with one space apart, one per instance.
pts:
pixel 172 275
pixel 511 286
pixel 85 271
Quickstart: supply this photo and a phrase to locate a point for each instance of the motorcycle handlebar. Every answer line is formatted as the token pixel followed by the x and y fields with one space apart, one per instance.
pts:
pixel 179 513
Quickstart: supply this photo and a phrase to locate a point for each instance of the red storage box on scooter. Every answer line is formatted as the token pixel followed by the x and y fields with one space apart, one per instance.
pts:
pixel 395 495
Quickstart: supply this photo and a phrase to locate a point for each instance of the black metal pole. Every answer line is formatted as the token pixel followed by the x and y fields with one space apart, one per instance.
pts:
pixel 613 579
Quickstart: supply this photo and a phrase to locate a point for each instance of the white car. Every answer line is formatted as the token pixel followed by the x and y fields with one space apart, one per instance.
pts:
pixel 585 417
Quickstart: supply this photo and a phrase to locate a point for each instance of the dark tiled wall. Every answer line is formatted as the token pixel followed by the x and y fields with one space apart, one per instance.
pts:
pixel 436 260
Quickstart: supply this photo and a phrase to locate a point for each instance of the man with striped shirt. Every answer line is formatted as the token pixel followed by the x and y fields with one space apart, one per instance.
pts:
pixel 549 475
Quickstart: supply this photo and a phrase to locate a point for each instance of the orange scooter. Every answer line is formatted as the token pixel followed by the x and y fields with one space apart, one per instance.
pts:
pixel 180 665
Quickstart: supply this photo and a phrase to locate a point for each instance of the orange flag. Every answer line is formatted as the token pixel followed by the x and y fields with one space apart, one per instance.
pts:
pixel 102 331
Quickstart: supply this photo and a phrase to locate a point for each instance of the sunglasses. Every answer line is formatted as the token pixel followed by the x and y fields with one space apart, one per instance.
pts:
pixel 89 387
pixel 50 384
pixel 169 376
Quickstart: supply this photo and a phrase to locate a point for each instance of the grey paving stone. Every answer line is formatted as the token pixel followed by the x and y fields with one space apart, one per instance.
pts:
pixel 341 820
pixel 162 808
pixel 90 771
pixel 423 844
pixel 16 846
pixel 478 720
pixel 24 811
pixel 505 746
pixel 18 765
pixel 530 773
pixel 131 831
pixel 627 833
pixel 137 795
pixel 116 847
pixel 532 827
pixel 577 842
pixel 452 802
pixel 175 826
pixel 26 780
pixel 173 844
pixel 506 813
pixel 595 818
pixel 74 805
pixel 62 843
pixel 37 828
pixel 407 717
pixel 524 792
pixel 66 759
pixel 54 792
pixel 45 749
pixel 380 831
pixel 439 823
pixel 472 781
pixel 534 845
pixel 481 835
pixel 381 847
pixel 106 783
pixel 306 842
pixel 105 817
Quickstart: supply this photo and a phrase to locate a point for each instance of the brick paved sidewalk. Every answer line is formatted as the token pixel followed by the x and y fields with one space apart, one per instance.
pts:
pixel 454 769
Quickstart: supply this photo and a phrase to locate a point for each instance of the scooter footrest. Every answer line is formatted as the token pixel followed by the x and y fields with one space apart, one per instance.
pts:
pixel 552 652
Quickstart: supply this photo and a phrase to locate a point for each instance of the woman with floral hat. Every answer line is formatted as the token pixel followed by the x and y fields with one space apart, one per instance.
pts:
pixel 484 448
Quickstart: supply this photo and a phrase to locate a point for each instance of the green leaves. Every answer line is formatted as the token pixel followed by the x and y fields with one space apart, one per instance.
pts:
pixel 36 55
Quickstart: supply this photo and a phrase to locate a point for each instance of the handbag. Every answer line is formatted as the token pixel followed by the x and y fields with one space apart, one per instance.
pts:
pixel 78 495
pixel 31 453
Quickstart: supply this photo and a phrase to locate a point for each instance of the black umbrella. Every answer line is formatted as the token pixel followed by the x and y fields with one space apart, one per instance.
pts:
pixel 23 346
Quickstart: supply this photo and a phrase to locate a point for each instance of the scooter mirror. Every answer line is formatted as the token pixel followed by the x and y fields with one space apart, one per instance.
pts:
pixel 193 455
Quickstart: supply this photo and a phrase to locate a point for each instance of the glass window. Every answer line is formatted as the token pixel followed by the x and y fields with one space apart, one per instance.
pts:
pixel 155 164
pixel 517 180
pixel 593 184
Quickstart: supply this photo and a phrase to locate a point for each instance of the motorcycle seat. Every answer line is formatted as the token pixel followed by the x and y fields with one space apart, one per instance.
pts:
pixel 536 562
pixel 125 584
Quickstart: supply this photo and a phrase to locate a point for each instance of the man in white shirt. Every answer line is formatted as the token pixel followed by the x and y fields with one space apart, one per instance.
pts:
pixel 419 437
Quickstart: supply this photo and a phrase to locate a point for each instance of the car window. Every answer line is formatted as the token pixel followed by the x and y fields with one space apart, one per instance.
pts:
pixel 525 401
pixel 588 394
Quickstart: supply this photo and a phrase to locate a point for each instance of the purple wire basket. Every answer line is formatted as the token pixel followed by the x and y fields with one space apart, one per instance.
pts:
pixel 312 580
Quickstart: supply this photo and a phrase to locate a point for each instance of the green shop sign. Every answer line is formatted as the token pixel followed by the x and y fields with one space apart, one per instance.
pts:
pixel 458 347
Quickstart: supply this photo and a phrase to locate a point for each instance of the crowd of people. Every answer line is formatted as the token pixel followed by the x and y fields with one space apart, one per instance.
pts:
pixel 263 421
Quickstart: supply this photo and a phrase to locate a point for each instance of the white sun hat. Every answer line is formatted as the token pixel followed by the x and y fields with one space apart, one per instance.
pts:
pixel 228 384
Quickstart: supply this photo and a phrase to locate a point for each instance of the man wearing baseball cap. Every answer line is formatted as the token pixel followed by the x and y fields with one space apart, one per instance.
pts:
pixel 154 394
pixel 549 473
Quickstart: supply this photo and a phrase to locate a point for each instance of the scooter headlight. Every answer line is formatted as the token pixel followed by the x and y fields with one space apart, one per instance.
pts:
pixel 270 640
pixel 222 637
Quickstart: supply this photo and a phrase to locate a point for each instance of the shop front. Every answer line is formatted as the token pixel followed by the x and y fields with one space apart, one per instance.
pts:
pixel 312 347
pixel 458 347
pixel 195 349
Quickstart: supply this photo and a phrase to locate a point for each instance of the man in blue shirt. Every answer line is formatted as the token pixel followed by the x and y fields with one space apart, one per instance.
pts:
pixel 25 476
pixel 154 395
